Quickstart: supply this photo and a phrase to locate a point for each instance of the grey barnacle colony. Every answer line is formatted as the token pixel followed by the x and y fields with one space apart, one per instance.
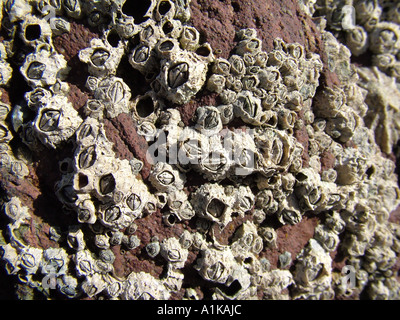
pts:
pixel 277 149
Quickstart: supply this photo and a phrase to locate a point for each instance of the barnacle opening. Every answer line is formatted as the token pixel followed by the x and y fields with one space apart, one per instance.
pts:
pixel 145 107
pixel 137 9
pixel 33 32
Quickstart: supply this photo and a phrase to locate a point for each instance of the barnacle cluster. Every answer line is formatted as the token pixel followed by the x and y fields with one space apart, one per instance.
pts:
pixel 246 151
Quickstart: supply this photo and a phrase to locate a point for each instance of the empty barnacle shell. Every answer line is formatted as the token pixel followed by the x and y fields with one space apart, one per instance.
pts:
pixel 146 107
pixel 35 30
pixel 210 202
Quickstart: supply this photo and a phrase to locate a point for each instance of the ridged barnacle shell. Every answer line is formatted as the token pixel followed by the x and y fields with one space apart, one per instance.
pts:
pixel 368 13
pixel 249 108
pixel 16 212
pixel 43 67
pixel 146 107
pixel 143 286
pixel 249 45
pixel 328 239
pixel 5 72
pixel 86 211
pixel 247 238
pixel 114 93
pixel 277 148
pixel 29 259
pixel 75 238
pixel 189 38
pixel 313 269
pixel 165 178
pixel 357 40
pixel 182 77
pixel 208 120
pixel 289 211
pixel 17 9
pixel 216 265
pixel 84 263
pixel 56 121
pixel 212 203
pixel 102 59
pixel 143 58
pixel 269 236
pixel 73 8
pixel 9 255
pixel 179 205
pixel 54 261
pixel 215 162
pixel 172 251
pixel 385 38
pixel 93 285
pixel 343 125
pixel 192 146
pixel 35 31
pixel 216 83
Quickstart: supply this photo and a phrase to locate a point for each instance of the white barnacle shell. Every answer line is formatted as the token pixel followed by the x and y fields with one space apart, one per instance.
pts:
pixel 54 261
pixel 189 38
pixel 244 200
pixel 35 31
pixel 249 108
pixel 17 9
pixel 171 28
pixel 249 45
pixel 208 120
pixel 165 178
pixel 102 241
pixel 247 238
pixel 179 205
pixel 16 212
pixel 269 236
pixel 102 58
pixel 173 280
pixel 357 40
pixel 93 284
pixel 313 269
pixel 182 77
pixel 43 67
pixel 114 93
pixel 86 211
pixel 172 251
pixel 68 285
pixel 289 211
pixel 143 286
pixel 143 58
pixel 385 38
pixel 146 107
pixel 84 263
pixel 216 83
pixel 212 203
pixel 5 72
pixel 56 121
pixel 75 238
pixel 9 255
pixel 327 238
pixel 29 259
